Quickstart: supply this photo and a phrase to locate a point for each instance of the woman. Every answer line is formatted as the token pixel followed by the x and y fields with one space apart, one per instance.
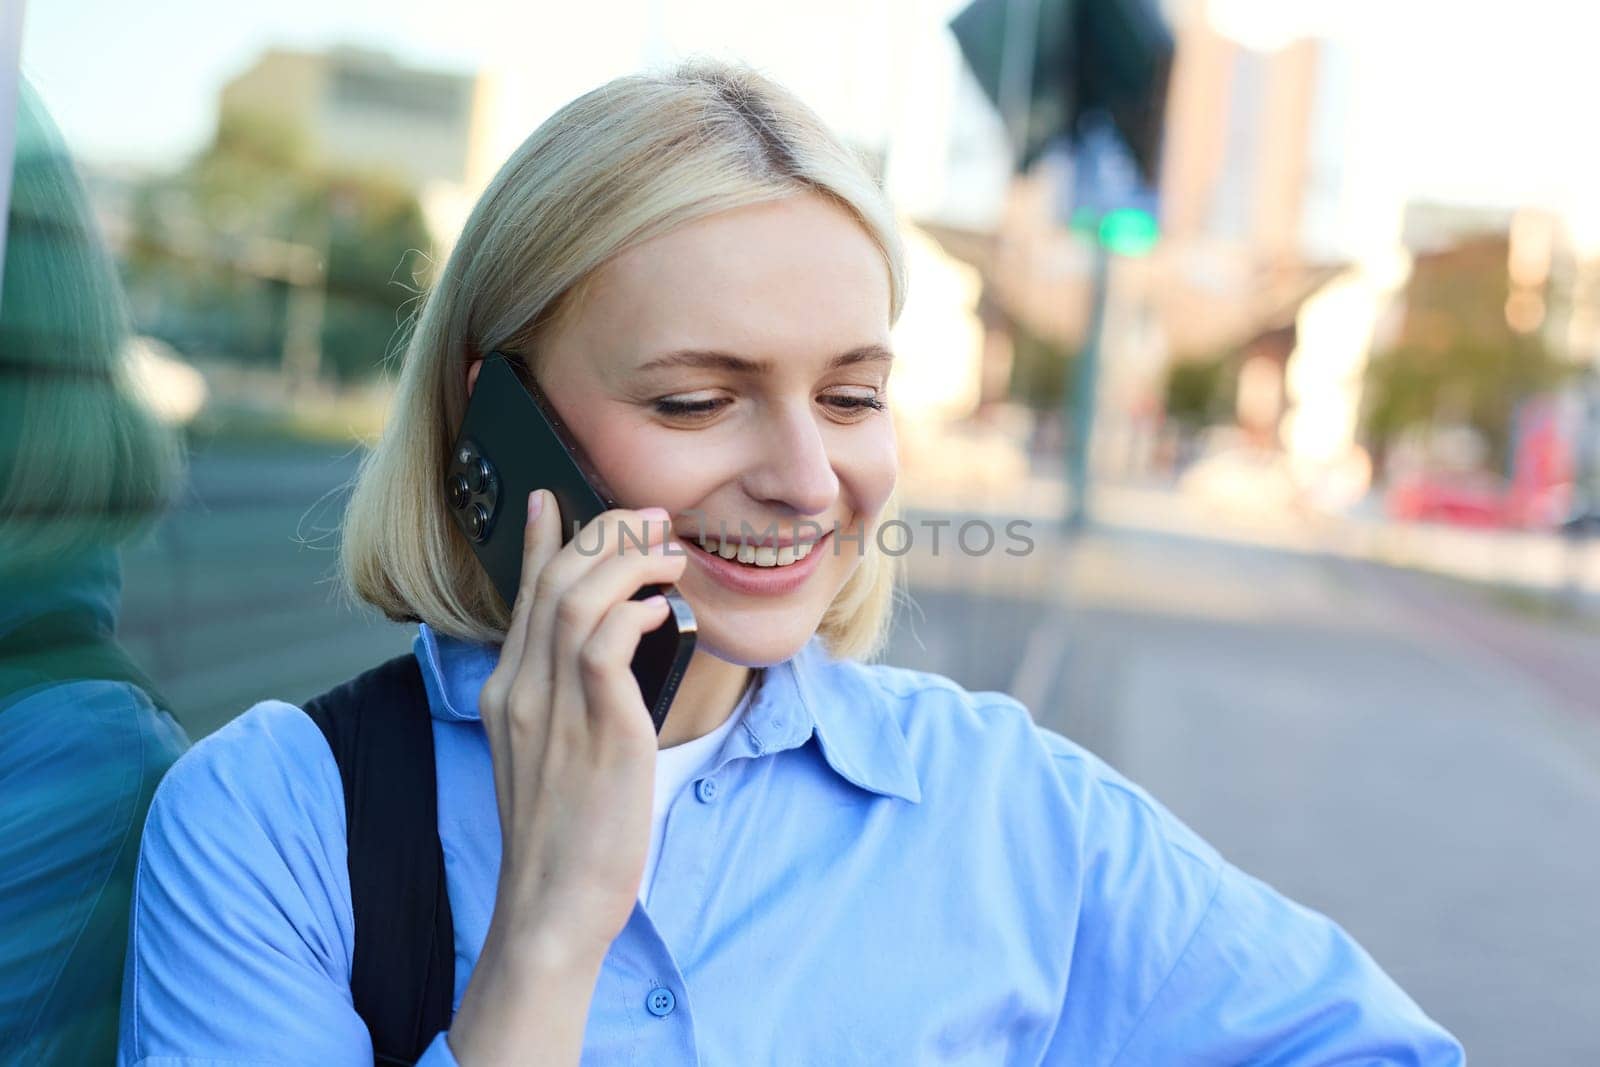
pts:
pixel 84 465
pixel 871 865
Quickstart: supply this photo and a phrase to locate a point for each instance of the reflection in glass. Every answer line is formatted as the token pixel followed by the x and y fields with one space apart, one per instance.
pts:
pixel 84 736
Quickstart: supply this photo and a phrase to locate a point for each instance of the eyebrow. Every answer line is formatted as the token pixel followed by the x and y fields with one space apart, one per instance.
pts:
pixel 710 359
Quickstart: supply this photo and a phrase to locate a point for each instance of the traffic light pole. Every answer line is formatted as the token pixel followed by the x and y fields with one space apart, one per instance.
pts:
pixel 1079 402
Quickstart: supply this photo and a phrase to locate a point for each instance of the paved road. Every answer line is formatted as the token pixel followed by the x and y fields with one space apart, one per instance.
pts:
pixel 1404 754
pixel 1414 758
pixel 232 599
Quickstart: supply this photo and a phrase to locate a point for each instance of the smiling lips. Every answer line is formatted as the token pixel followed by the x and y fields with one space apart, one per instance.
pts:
pixel 770 555
pixel 756 570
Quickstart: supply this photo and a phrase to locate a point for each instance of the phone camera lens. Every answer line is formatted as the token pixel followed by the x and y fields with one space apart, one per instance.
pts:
pixel 481 475
pixel 477 523
pixel 460 493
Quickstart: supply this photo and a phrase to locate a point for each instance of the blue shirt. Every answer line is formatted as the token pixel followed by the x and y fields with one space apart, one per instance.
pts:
pixel 879 867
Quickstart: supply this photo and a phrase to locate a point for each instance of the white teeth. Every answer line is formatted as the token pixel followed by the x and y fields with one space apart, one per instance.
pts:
pixel 754 555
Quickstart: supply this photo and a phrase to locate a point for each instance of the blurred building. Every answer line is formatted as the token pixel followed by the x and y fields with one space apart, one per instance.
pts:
pixel 1554 285
pixel 1250 179
pixel 1550 283
pixel 1497 317
pixel 1257 194
pixel 1578 318
pixel 366 111
pixel 1248 183
pixel 1427 227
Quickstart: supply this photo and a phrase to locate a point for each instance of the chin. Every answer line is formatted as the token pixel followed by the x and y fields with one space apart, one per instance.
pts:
pixel 754 643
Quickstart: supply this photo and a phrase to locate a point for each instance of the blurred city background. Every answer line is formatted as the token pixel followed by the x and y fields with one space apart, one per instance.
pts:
pixel 1279 320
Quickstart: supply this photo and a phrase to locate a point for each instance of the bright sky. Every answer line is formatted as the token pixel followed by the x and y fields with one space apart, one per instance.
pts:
pixel 1471 102
pixel 138 83
pixel 1457 101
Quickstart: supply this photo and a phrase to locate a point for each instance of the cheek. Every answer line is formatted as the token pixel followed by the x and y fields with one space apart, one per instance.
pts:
pixel 868 464
pixel 646 467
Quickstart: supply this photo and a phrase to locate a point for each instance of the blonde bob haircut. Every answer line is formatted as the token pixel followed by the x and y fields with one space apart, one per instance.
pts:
pixel 622 164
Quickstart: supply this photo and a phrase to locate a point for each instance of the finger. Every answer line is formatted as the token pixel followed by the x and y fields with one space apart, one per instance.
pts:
pixel 612 533
pixel 593 545
pixel 543 664
pixel 520 684
pixel 611 693
pixel 580 608
pixel 541 540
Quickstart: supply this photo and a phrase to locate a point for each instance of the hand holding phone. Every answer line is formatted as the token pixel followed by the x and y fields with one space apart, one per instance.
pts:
pixel 574 760
pixel 512 441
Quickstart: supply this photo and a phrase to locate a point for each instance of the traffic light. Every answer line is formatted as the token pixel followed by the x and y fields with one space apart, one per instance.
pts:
pixel 1125 231
pixel 1107 56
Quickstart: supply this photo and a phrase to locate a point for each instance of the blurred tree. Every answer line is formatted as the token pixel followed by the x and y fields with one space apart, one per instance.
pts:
pixel 206 265
pixel 1455 359
pixel 1200 392
pixel 1040 368
pixel 375 229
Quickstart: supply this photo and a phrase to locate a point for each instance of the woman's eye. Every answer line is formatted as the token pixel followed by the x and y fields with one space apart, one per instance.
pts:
pixel 685 408
pixel 855 402
pixel 704 407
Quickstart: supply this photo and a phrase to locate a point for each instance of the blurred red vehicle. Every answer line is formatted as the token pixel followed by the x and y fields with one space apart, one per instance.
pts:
pixel 1538 495
pixel 1458 499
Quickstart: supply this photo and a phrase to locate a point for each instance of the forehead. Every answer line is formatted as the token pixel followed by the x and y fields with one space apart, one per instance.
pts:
pixel 798 277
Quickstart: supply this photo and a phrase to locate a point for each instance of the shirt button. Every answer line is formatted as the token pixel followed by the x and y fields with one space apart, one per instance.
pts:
pixel 660 1002
pixel 706 790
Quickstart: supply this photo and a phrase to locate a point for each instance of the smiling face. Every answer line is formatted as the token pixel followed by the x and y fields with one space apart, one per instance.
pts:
pixel 734 372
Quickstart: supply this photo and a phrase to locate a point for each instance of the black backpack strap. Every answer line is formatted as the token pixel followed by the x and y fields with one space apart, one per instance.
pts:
pixel 403 976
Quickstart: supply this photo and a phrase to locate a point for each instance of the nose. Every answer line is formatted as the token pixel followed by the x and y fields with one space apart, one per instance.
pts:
pixel 793 472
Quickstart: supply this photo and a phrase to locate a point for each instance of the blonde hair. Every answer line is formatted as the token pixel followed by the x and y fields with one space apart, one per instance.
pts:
pixel 626 162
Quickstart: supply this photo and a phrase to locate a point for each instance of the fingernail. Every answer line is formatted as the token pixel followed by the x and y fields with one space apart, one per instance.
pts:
pixel 653 514
pixel 535 505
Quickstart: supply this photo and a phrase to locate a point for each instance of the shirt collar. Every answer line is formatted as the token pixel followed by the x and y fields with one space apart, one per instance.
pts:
pixel 453 671
pixel 811 693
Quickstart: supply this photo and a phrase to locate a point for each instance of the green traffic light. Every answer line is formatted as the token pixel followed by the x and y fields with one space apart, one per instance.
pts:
pixel 1129 231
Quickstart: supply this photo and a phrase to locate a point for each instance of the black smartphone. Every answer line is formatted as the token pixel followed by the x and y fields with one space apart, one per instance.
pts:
pixel 512 442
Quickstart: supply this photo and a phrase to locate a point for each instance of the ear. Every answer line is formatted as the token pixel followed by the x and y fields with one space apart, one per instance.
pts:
pixel 472 375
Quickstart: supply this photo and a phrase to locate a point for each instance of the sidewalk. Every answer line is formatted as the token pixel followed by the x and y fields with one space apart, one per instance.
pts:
pixel 1535 562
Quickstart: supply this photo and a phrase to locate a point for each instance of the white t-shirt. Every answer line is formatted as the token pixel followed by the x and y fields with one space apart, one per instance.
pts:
pixel 676 767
